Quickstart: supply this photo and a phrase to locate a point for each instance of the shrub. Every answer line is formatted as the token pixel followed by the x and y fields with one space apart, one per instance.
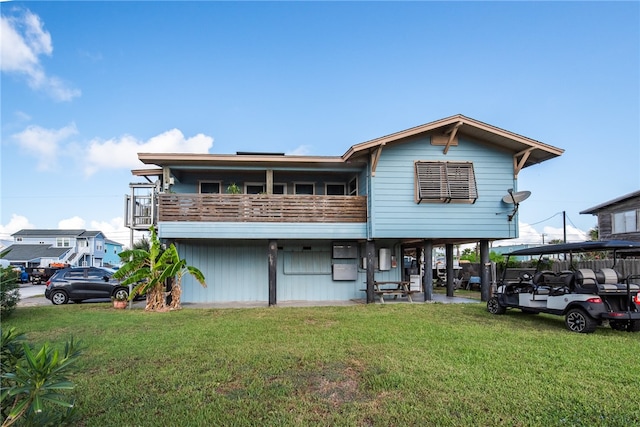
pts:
pixel 33 382
pixel 9 291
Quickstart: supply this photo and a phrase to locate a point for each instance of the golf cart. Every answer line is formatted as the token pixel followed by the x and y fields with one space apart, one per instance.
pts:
pixel 586 298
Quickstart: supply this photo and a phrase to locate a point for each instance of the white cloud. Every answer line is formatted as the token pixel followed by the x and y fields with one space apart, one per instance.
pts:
pixel 123 152
pixel 23 41
pixel 302 150
pixel 529 235
pixel 116 231
pixel 73 223
pixel 44 144
pixel 16 223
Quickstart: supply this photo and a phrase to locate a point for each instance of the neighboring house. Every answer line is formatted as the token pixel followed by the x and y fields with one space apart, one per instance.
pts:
pixel 326 227
pixel 618 218
pixel 40 248
pixel 111 255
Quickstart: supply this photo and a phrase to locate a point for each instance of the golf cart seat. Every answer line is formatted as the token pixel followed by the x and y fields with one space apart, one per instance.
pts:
pixel 607 276
pixel 542 277
pixel 586 280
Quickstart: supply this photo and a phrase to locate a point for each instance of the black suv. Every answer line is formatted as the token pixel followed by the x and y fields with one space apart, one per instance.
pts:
pixel 81 283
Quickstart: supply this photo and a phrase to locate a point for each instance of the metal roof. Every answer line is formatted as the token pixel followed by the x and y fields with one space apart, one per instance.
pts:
pixel 601 206
pixel 590 246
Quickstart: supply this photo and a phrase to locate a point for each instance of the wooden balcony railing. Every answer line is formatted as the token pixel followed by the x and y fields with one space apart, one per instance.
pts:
pixel 261 208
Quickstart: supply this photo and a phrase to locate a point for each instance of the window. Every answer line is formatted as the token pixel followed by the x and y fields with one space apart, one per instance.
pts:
pixel 353 187
pixel 445 182
pixel 209 187
pixel 335 189
pixel 18 239
pixel 625 222
pixel 254 188
pixel 304 188
pixel 279 189
pixel 63 242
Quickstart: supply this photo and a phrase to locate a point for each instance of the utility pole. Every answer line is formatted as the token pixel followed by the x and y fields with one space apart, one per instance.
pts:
pixel 564 225
pixel 543 234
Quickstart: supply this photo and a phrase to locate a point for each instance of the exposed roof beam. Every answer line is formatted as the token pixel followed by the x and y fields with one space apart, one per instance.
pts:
pixel 519 164
pixel 375 156
pixel 452 134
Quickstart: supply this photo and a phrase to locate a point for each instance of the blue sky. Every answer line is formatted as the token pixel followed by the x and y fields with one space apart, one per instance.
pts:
pixel 87 85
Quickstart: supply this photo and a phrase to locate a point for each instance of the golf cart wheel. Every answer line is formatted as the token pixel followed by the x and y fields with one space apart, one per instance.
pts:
pixel 59 297
pixel 617 325
pixel 579 321
pixel 634 326
pixel 494 306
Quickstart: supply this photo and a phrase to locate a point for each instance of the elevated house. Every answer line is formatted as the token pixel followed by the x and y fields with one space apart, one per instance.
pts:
pixel 111 253
pixel 44 247
pixel 619 218
pixel 272 227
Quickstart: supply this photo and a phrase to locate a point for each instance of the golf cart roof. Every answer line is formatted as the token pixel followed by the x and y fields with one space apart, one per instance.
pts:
pixel 601 245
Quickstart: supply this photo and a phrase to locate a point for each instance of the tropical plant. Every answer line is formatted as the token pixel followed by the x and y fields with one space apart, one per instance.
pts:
pixel 150 271
pixel 33 380
pixel 9 291
pixel 233 188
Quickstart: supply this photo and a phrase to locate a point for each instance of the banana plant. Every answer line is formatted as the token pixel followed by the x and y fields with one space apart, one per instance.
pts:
pixel 149 271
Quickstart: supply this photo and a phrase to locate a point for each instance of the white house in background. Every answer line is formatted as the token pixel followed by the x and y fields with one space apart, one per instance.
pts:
pixel 40 248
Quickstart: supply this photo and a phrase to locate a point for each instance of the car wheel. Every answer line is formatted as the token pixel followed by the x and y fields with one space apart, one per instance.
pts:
pixel 494 306
pixel 121 294
pixel 634 326
pixel 579 321
pixel 59 297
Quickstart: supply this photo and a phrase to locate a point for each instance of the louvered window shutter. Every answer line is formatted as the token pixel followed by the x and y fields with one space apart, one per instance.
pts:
pixel 446 182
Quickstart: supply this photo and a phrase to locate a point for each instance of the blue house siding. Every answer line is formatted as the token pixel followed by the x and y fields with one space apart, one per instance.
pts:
pixel 238 271
pixel 234 271
pixel 256 230
pixel 396 214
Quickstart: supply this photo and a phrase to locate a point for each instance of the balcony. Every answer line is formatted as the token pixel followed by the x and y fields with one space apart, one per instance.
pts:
pixel 261 208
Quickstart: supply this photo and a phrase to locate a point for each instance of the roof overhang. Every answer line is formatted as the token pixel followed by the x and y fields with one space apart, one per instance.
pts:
pixel 526 151
pixel 594 210
pixel 234 160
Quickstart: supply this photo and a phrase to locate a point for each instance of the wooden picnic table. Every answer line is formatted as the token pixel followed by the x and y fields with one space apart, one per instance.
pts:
pixel 395 288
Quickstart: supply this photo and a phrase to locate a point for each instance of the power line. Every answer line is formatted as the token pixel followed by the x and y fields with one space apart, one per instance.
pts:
pixel 553 216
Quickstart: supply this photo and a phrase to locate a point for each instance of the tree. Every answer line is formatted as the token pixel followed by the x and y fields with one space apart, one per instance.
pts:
pixel 150 271
pixel 594 233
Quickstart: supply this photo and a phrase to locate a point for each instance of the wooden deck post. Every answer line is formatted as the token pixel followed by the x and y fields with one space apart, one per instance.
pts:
pixel 448 248
pixel 273 271
pixel 427 269
pixel 485 265
pixel 371 269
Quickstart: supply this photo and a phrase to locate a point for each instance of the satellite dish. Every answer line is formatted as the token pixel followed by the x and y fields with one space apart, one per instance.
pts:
pixel 517 197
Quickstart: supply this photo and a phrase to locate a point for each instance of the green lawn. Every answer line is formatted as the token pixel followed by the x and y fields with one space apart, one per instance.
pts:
pixel 363 365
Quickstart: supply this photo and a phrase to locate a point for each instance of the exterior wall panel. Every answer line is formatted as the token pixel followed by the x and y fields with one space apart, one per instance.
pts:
pixel 256 230
pixel 395 213
pixel 234 271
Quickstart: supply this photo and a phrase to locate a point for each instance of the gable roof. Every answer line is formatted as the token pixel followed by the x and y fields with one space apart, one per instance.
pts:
pixel 33 232
pixel 47 233
pixel 537 151
pixel 597 208
pixel 33 252
pixel 112 242
pixel 526 151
